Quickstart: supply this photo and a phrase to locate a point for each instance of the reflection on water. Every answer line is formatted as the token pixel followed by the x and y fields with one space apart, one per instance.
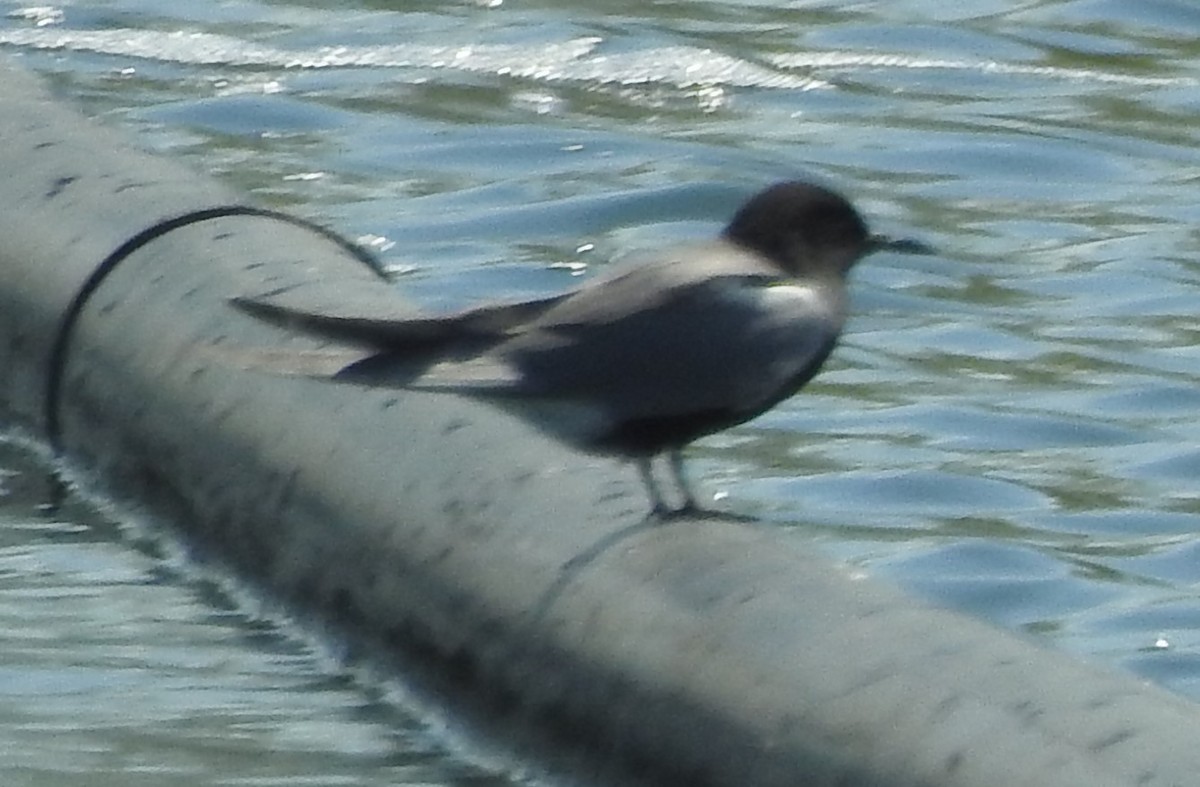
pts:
pixel 1009 427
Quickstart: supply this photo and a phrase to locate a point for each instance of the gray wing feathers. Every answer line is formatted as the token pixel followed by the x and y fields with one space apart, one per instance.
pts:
pixel 410 333
pixel 708 328
pixel 729 343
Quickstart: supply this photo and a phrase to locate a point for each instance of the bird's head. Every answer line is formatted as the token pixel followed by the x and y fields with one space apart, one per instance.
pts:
pixel 806 229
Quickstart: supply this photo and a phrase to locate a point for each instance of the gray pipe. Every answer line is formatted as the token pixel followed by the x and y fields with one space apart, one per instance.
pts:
pixel 509 575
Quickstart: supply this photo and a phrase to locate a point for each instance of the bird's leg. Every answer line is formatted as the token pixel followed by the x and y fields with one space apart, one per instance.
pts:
pixel 646 470
pixel 675 457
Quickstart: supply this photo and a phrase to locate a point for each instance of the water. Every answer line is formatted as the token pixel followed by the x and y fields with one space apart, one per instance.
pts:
pixel 1008 428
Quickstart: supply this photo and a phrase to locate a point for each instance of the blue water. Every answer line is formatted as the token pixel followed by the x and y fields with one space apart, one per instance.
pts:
pixel 1009 427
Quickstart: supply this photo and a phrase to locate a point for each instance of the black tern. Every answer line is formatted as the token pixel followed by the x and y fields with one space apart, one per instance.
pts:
pixel 642 360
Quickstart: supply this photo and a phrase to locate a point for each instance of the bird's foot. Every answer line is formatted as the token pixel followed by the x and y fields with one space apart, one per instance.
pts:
pixel 693 510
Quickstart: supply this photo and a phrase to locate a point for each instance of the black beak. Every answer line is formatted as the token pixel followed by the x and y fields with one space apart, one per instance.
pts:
pixel 900 245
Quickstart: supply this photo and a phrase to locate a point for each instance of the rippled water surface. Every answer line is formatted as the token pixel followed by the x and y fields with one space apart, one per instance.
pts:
pixel 1009 427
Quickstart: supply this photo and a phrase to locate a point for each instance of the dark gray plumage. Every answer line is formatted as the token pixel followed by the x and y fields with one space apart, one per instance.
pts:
pixel 644 359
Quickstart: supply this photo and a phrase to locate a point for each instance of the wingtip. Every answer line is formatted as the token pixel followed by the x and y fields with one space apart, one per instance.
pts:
pixel 261 309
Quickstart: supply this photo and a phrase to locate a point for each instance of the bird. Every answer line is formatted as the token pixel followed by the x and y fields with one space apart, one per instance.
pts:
pixel 643 359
